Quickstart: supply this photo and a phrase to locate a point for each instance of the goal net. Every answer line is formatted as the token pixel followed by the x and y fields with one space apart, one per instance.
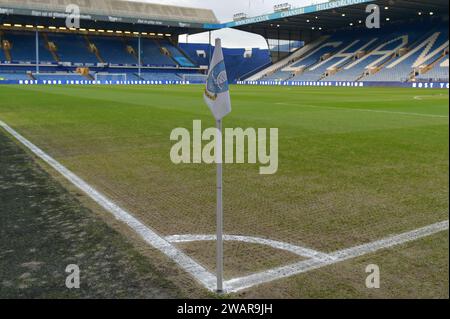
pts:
pixel 194 78
pixel 113 77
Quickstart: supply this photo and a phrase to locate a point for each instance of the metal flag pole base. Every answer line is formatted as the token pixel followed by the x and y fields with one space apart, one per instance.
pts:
pixel 219 215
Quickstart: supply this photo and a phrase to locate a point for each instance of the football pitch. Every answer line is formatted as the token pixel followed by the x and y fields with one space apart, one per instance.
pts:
pixel 356 166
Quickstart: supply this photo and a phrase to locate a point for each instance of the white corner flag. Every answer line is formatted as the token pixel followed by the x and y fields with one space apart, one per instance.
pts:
pixel 217 94
pixel 217 97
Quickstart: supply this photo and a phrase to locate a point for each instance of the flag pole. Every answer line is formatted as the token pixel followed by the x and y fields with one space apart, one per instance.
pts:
pixel 219 214
pixel 217 97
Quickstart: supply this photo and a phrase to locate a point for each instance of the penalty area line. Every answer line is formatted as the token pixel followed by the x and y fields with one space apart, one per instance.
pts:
pixel 207 279
pixel 365 110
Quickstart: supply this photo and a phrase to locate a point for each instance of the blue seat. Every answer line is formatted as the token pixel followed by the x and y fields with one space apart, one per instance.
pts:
pixel 24 47
pixel 113 50
pixel 72 48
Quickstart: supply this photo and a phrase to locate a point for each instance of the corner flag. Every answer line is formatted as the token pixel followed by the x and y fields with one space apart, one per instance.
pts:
pixel 217 97
pixel 217 94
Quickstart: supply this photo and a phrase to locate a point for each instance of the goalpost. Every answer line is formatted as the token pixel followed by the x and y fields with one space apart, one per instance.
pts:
pixel 111 77
pixel 194 78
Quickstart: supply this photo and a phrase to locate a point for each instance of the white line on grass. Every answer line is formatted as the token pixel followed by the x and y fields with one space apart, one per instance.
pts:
pixel 207 279
pixel 301 251
pixel 422 97
pixel 184 261
pixel 364 110
pixel 237 284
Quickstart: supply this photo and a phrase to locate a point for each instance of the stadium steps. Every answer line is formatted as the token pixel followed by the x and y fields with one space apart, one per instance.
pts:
pixel 410 46
pixel 316 63
pixel 312 65
pixel 93 49
pixel 5 45
pixel 339 69
pixel 379 67
pixel 31 76
pixel 307 68
pixel 1 44
pixel 89 76
pixel 342 68
pixel 254 71
pixel 131 50
pixel 292 58
pixel 52 48
pixel 435 63
pixel 363 74
pixel 137 76
pixel 165 51
pixel 422 38
pixel 181 51
pixel 430 45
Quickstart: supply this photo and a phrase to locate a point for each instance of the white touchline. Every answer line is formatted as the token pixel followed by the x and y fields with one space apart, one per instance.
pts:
pixel 207 279
pixel 184 261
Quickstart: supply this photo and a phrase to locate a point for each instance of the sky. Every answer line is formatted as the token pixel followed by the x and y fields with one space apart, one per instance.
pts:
pixel 224 10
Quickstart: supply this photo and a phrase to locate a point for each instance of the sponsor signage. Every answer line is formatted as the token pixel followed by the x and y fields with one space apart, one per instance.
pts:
pixel 417 85
pixel 95 17
pixel 290 13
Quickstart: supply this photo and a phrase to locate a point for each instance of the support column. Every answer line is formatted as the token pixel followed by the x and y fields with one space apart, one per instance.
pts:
pixel 139 56
pixel 37 52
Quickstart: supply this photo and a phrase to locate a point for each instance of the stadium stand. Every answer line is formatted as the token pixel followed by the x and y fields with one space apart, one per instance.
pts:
pixel 176 53
pixel 239 65
pixel 240 62
pixel 198 52
pixel 438 73
pixel 72 48
pixel 431 46
pixel 275 71
pixel 392 54
pixel 113 50
pixel 22 44
pixel 152 54
pixel 103 46
pixel 412 51
pixel 2 55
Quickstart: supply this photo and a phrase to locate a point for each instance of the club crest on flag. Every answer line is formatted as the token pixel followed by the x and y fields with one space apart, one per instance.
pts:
pixel 217 95
pixel 217 82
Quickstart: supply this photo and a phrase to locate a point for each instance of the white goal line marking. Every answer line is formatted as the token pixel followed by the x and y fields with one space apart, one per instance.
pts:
pixel 187 263
pixel 206 278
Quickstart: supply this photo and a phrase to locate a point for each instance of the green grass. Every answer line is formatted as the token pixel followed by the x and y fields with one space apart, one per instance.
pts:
pixel 44 228
pixel 355 164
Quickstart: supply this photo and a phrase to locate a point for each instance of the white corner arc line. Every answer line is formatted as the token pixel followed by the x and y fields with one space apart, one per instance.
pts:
pixel 187 263
pixel 297 250
pixel 237 284
pixel 203 276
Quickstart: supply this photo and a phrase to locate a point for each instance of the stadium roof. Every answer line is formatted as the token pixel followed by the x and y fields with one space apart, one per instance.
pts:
pixel 335 15
pixel 136 15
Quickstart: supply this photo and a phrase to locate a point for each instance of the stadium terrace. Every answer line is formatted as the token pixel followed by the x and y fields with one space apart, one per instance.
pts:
pixel 127 42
